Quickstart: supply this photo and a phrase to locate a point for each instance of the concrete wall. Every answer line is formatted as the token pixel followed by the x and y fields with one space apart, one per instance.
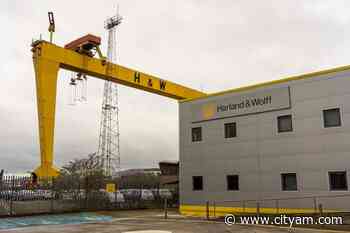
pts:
pixel 259 154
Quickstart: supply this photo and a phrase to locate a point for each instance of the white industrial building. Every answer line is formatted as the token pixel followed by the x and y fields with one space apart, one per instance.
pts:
pixel 284 145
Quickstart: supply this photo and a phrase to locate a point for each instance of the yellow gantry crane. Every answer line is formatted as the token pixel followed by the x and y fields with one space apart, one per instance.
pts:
pixel 48 58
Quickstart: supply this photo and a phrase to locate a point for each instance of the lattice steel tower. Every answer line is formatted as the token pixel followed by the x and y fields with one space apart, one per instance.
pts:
pixel 108 150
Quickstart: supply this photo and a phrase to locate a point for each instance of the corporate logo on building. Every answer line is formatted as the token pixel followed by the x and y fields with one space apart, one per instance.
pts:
pixel 245 104
pixel 232 105
pixel 208 111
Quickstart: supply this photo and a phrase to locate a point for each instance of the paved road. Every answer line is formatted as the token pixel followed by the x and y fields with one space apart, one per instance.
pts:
pixel 53 219
pixel 153 221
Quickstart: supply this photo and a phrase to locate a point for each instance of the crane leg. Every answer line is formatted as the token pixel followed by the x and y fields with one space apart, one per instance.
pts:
pixel 46 72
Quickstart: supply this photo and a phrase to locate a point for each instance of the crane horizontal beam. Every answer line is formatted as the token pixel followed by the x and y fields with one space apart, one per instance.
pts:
pixel 48 58
pixel 99 68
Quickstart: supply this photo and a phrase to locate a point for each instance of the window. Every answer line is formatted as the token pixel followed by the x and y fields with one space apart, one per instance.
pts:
pixel 331 117
pixel 285 123
pixel 197 134
pixel 197 183
pixel 338 181
pixel 232 182
pixel 289 182
pixel 230 130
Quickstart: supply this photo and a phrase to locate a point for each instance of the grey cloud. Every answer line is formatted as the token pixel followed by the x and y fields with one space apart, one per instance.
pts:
pixel 210 45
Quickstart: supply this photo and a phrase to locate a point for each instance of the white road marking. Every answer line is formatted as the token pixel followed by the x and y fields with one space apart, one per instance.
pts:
pixel 147 231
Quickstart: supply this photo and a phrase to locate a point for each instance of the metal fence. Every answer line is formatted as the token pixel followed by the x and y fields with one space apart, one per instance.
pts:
pixel 321 204
pixel 19 196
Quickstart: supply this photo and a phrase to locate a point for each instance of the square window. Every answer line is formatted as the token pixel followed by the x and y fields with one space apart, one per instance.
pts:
pixel 285 123
pixel 338 181
pixel 230 130
pixel 331 117
pixel 197 134
pixel 232 182
pixel 289 182
pixel 197 183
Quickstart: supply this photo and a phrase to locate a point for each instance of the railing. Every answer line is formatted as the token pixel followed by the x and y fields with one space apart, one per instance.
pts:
pixel 318 204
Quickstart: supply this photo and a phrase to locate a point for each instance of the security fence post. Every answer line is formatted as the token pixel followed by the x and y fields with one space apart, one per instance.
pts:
pixel 214 209
pixel 207 210
pixel 165 208
pixel 320 207
pixel 86 193
pixel 12 192
pixel 243 206
pixel 115 199
pixel 315 205
pixel 52 194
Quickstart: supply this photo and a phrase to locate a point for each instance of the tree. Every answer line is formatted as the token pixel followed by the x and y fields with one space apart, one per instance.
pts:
pixel 81 175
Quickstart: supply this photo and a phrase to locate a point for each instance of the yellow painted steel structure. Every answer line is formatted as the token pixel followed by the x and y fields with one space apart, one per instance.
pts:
pixel 48 58
pixel 221 211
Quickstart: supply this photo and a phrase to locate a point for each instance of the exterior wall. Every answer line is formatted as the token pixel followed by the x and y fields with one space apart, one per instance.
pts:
pixel 259 154
pixel 169 169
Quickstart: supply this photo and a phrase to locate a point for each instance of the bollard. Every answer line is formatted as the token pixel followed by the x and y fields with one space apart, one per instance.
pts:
pixel 165 208
pixel 258 209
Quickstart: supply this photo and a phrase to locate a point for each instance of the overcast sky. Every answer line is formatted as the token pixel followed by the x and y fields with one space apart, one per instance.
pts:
pixel 207 45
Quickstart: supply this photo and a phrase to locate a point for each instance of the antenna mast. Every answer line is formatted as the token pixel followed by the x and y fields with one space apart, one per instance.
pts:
pixel 109 151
